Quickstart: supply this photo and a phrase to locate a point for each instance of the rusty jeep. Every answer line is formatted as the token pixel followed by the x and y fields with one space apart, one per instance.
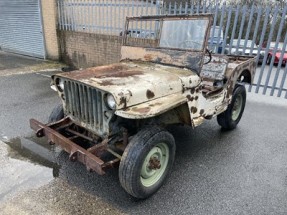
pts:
pixel 116 115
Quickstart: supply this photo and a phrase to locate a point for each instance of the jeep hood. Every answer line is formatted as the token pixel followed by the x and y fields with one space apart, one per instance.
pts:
pixel 134 83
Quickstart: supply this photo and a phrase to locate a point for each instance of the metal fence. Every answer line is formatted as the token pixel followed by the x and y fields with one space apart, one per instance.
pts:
pixel 101 16
pixel 260 31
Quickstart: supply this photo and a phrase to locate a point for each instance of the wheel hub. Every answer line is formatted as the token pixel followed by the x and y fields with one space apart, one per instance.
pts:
pixel 155 164
pixel 237 107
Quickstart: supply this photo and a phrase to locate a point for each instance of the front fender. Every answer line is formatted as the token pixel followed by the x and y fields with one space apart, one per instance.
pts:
pixel 152 108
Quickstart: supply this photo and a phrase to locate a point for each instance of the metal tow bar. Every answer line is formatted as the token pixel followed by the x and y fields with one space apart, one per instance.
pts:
pixel 77 153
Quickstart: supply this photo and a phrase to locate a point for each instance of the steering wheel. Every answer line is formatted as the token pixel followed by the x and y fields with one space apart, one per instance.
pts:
pixel 210 57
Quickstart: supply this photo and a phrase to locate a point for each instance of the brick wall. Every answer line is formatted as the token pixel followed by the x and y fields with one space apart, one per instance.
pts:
pixel 49 17
pixel 82 50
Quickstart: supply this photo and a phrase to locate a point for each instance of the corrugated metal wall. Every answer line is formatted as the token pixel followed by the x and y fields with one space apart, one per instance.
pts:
pixel 21 27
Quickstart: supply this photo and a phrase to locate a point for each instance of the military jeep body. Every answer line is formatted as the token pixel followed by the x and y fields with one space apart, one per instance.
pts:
pixel 116 115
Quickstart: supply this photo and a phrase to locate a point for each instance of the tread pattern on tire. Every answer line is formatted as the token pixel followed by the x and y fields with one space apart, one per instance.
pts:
pixel 130 165
pixel 56 114
pixel 224 119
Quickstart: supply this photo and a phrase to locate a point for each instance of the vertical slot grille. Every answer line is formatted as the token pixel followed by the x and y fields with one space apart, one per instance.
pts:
pixel 85 104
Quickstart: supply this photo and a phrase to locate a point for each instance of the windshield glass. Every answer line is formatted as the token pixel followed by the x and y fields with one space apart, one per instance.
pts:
pixel 188 33
pixel 183 34
pixel 217 32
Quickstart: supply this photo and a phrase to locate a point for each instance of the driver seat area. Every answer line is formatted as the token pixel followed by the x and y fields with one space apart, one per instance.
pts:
pixel 213 74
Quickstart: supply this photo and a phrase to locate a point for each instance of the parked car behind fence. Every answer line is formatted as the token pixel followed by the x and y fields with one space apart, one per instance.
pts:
pixel 215 41
pixel 238 47
pixel 277 53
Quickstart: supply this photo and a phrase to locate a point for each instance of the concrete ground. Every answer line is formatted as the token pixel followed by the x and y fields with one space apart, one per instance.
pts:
pixel 243 171
pixel 12 61
pixel 16 64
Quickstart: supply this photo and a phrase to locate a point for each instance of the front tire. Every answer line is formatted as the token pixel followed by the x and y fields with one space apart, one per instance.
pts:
pixel 56 114
pixel 232 115
pixel 146 162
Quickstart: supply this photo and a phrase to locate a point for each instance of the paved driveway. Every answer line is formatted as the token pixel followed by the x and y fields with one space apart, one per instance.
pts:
pixel 12 64
pixel 12 61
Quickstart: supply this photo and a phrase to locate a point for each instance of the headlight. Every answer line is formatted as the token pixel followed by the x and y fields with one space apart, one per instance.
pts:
pixel 111 102
pixel 53 87
pixel 60 84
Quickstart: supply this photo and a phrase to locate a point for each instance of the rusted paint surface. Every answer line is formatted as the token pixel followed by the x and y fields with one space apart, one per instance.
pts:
pixel 76 152
pixel 193 110
pixel 218 81
pixel 133 83
pixel 143 83
pixel 181 58
pixel 149 94
pixel 170 17
pixel 94 157
pixel 153 107
pixel 138 82
pixel 98 72
pixel 201 111
pixel 215 70
pixel 147 75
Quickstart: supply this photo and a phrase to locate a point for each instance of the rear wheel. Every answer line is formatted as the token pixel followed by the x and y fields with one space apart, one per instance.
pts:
pixel 56 114
pixel 232 115
pixel 146 162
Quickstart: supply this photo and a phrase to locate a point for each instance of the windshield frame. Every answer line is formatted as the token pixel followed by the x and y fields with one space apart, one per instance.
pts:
pixel 161 18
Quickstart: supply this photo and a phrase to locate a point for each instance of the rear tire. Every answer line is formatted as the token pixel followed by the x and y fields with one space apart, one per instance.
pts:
pixel 231 116
pixel 56 114
pixel 146 162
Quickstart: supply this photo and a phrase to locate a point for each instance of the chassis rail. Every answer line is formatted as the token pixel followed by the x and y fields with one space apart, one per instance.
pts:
pixel 77 153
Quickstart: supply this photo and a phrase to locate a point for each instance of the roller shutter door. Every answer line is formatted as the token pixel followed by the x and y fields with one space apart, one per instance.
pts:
pixel 21 27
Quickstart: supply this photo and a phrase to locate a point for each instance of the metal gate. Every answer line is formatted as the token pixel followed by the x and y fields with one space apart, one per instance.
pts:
pixel 21 27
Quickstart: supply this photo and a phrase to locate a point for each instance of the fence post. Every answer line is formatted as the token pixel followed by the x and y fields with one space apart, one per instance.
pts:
pixel 220 26
pixel 267 48
pixel 241 28
pixel 248 29
pixel 259 13
pixel 275 50
pixel 159 7
pixel 234 28
pixel 226 30
pixel 278 68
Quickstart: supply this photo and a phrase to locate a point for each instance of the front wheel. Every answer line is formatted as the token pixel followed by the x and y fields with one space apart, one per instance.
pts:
pixel 56 114
pixel 146 162
pixel 232 115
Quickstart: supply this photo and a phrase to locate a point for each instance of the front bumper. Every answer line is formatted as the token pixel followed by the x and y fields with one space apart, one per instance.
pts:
pixel 62 134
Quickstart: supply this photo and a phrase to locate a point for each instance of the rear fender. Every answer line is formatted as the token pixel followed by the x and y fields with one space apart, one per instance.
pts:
pixel 244 72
